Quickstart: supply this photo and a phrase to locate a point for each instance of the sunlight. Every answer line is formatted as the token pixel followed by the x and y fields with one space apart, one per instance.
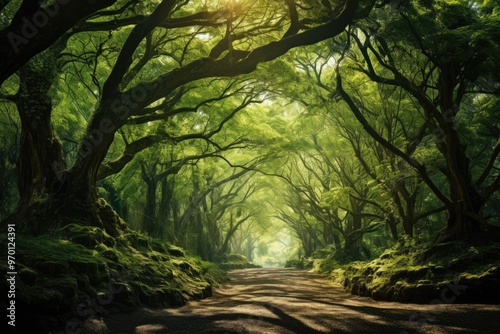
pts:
pixel 266 99
pixel 149 328
pixel 279 249
pixel 331 62
pixel 204 36
pixel 234 5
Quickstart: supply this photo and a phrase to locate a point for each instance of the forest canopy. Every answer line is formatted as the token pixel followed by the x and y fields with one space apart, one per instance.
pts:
pixel 251 126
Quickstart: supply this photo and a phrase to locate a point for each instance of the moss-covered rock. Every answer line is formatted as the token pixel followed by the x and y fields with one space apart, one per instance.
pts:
pixel 452 272
pixel 81 271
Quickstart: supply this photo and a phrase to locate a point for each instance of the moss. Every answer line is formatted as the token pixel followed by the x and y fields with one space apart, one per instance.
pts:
pixel 213 273
pixel 175 251
pixel 88 236
pixel 68 266
pixel 237 258
pixel 27 275
pixel 294 264
pixel 53 268
pixel 234 261
pixel 418 274
pixel 54 248
pixel 325 265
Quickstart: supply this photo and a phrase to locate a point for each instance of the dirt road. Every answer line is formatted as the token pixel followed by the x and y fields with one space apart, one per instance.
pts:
pixel 293 301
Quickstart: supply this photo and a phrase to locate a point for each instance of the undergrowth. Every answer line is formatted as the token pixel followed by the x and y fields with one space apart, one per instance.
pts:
pixel 419 273
pixel 63 269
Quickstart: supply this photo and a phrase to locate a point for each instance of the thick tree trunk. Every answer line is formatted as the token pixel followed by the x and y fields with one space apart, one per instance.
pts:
pixel 354 240
pixel 203 247
pixel 249 247
pixel 51 195
pixel 91 153
pixel 408 221
pixel 40 164
pixel 464 220
pixel 393 227
pixel 327 233
pixel 307 244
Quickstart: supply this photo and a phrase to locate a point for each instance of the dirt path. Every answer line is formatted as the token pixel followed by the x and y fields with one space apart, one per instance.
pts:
pixel 293 301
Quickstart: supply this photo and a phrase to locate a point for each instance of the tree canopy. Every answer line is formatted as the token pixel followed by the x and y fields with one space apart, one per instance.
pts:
pixel 210 124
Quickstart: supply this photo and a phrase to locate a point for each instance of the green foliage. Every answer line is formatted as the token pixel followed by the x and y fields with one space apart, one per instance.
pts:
pixel 271 164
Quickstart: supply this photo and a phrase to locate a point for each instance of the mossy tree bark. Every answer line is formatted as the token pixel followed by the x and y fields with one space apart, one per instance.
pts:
pixel 40 164
pixel 48 192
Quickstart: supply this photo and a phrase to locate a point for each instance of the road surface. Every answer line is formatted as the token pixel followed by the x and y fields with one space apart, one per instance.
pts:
pixel 277 300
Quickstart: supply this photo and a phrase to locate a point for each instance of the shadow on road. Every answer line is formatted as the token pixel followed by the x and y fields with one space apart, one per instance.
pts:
pixel 294 301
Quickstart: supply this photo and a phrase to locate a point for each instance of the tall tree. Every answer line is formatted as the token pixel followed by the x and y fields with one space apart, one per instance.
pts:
pixel 441 54
pixel 135 87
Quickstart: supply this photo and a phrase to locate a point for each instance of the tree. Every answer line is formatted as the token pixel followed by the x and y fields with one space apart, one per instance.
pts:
pixel 440 82
pixel 134 86
pixel 9 137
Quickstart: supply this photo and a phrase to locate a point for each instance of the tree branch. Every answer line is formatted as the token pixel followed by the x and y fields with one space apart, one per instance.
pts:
pixel 375 135
pixel 18 44
pixel 138 33
pixel 131 150
pixel 489 166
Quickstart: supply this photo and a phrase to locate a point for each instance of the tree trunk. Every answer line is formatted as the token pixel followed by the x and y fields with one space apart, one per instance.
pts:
pixel 354 240
pixel 393 227
pixel 249 247
pixel 47 190
pixel 40 164
pixel 336 241
pixel 176 219
pixel 165 204
pixel 149 213
pixel 464 211
pixel 51 195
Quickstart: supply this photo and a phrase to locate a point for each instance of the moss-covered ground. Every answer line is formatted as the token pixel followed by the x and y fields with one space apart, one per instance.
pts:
pixel 234 261
pixel 438 273
pixel 73 274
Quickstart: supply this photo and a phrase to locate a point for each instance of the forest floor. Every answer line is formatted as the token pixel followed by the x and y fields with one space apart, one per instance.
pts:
pixel 277 300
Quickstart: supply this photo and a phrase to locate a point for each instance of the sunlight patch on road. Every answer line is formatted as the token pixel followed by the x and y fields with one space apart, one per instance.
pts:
pixel 150 328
